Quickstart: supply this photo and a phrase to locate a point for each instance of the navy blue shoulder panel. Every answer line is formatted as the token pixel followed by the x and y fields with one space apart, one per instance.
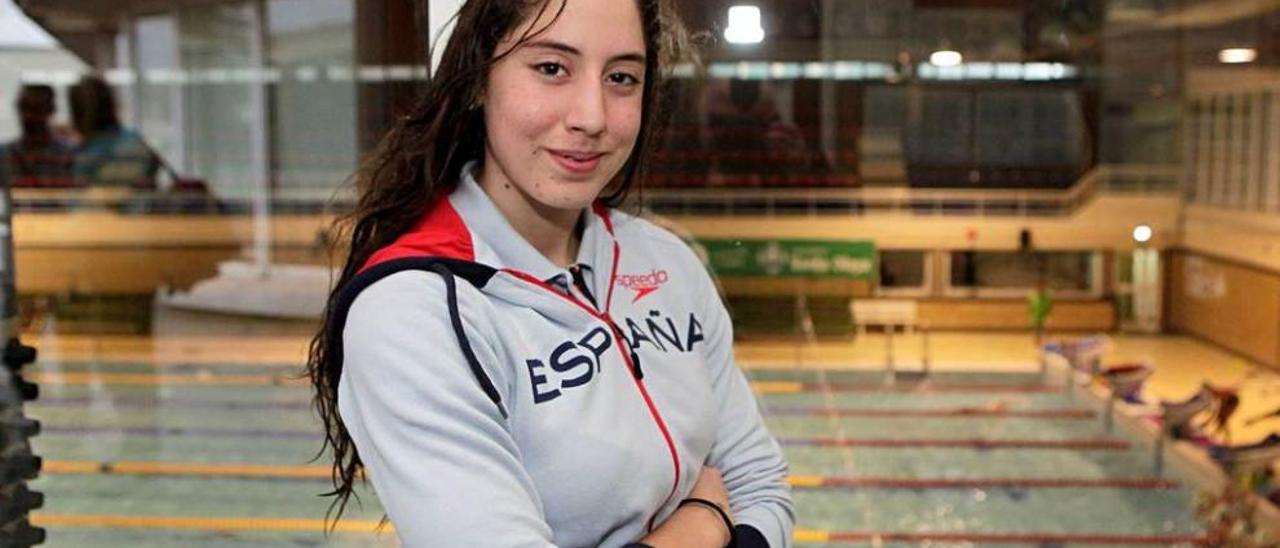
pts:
pixel 474 273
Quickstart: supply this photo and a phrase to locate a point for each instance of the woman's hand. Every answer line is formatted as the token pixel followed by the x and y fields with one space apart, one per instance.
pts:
pixel 695 525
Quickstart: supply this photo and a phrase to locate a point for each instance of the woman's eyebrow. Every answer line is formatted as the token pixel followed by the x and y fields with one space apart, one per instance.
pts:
pixel 566 48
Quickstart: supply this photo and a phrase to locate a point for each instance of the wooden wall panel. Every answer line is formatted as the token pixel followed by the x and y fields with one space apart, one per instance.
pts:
pixel 786 287
pixel 115 271
pixel 1011 314
pixel 1227 303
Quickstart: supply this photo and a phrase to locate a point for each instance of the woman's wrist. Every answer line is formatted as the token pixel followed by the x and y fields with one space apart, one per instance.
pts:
pixel 690 526
pixel 721 514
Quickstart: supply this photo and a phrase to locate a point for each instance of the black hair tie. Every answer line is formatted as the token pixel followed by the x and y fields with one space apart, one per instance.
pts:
pixel 728 523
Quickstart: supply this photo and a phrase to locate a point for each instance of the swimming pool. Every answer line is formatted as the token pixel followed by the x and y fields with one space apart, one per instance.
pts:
pixel 967 459
pixel 218 455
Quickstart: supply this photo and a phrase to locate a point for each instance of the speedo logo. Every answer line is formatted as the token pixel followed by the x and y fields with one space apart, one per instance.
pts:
pixel 643 284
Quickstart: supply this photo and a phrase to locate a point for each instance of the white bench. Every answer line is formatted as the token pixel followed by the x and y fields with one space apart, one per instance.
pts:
pixel 887 313
pixel 892 315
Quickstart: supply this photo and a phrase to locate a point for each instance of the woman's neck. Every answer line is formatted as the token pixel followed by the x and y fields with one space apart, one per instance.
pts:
pixel 553 232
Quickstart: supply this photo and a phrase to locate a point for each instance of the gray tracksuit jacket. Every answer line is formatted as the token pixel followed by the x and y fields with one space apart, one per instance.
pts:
pixel 499 400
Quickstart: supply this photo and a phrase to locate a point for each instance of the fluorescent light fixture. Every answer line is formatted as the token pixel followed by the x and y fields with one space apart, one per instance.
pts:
pixel 946 58
pixel 877 70
pixel 1037 71
pixel 848 70
pixel 1142 234
pixel 816 70
pixel 872 70
pixel 955 72
pixel 744 25
pixel 1237 55
pixel 980 71
pixel 1008 71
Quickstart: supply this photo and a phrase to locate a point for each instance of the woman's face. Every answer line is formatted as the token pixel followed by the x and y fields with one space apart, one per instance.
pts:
pixel 563 110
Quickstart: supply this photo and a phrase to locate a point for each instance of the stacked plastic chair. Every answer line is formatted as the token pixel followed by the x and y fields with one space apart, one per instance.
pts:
pixel 18 464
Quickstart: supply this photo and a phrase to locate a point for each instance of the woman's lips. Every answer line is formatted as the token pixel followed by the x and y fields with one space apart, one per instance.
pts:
pixel 575 161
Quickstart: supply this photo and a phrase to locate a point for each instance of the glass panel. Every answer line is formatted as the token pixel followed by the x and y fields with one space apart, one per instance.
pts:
pixel 1060 270
pixel 313 127
pixel 159 95
pixel 902 269
pixel 216 46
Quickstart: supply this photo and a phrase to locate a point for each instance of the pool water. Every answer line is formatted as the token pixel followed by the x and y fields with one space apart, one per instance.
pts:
pixel 956 460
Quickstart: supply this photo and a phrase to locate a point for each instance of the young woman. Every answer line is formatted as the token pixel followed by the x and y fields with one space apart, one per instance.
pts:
pixel 514 362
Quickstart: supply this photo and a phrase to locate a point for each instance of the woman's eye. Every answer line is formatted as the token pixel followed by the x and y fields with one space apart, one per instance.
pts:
pixel 549 69
pixel 623 78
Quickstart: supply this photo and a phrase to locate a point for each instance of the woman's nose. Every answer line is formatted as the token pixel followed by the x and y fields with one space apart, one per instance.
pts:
pixel 587 109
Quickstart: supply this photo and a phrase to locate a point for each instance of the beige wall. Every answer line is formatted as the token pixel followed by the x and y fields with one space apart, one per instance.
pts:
pixel 1224 280
pixel 1231 304
pixel 1106 222
pixel 1241 236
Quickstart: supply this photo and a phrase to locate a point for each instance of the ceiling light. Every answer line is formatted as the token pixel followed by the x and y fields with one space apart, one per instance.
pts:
pixel 946 58
pixel 1142 234
pixel 1237 55
pixel 744 25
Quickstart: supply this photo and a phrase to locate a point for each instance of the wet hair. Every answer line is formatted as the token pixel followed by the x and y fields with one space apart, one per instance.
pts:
pixel 421 158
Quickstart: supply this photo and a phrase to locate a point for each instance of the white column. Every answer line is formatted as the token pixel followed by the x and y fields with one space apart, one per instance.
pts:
pixel 259 147
pixel 1146 289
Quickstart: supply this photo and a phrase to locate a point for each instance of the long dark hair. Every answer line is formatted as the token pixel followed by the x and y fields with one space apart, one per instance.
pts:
pixel 421 159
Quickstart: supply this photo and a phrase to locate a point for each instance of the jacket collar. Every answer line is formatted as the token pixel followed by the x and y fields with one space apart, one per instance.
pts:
pixel 467 226
pixel 499 245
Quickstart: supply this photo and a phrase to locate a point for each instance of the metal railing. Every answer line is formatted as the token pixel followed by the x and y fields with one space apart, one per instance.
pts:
pixel 1136 178
pixel 767 202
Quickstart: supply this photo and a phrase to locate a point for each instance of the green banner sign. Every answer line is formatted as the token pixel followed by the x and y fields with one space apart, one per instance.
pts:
pixel 803 258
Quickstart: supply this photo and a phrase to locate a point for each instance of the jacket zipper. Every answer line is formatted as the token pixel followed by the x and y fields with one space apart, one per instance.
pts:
pixel 632 361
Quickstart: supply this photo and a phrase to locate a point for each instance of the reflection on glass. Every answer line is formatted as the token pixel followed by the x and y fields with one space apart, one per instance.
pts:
pixel 313 133
pixel 159 99
pixel 223 117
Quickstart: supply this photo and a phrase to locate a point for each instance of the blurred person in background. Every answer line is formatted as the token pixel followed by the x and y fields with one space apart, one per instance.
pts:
pixel 39 158
pixel 750 142
pixel 109 155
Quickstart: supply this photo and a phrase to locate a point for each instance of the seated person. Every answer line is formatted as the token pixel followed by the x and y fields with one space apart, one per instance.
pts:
pixel 109 154
pixel 37 159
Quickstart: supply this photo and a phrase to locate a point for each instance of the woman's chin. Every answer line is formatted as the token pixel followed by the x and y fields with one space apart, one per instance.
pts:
pixel 569 200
